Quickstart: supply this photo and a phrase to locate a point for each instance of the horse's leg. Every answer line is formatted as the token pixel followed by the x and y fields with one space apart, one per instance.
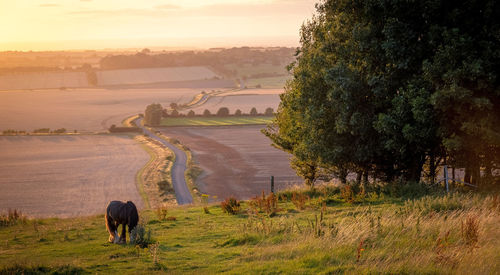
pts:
pixel 123 236
pixel 110 226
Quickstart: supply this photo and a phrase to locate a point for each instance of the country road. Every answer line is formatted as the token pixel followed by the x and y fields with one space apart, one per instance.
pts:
pixel 178 168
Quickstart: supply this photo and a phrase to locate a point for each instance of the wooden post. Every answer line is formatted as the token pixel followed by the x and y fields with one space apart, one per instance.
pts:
pixel 446 177
pixel 272 184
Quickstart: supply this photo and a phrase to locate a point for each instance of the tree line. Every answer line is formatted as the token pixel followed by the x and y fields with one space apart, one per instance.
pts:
pixel 392 90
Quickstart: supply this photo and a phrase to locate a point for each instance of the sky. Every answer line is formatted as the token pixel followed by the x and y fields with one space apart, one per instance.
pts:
pixel 100 24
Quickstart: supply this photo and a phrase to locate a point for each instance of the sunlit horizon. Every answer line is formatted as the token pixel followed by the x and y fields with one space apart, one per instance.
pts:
pixel 90 24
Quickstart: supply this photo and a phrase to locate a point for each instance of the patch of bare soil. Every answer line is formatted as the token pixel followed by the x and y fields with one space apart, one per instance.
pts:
pixel 237 160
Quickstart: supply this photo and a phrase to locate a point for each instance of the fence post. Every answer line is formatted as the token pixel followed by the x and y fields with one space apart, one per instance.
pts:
pixel 446 177
pixel 272 184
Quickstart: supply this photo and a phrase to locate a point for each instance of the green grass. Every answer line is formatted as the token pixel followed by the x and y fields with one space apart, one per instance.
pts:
pixel 276 82
pixel 390 236
pixel 215 121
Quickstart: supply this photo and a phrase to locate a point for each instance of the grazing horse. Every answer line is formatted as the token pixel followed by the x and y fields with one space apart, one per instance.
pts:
pixel 124 213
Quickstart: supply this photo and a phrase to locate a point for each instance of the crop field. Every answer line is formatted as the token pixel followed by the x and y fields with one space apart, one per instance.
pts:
pixel 215 121
pixel 268 82
pixel 46 80
pixel 153 75
pixel 255 91
pixel 80 109
pixel 65 176
pixel 237 160
pixel 243 102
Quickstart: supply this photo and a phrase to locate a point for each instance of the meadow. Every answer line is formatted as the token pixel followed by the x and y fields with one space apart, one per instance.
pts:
pixel 68 176
pixel 215 121
pixel 294 232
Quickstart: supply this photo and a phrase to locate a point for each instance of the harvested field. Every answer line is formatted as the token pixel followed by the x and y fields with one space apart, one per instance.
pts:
pixel 65 176
pixel 237 160
pixel 81 109
pixel 46 80
pixel 255 92
pixel 243 102
pixel 153 75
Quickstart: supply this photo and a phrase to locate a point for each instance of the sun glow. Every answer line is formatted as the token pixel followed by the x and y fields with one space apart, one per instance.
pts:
pixel 78 24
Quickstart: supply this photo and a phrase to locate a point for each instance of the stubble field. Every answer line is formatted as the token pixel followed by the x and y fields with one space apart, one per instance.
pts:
pixel 236 160
pixel 66 176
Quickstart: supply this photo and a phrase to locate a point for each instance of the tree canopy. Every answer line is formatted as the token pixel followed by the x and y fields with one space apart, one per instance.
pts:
pixel 152 115
pixel 387 87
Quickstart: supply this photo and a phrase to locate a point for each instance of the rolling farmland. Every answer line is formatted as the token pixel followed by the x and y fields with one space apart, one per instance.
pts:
pixel 80 109
pixel 45 80
pixel 65 176
pixel 243 102
pixel 237 160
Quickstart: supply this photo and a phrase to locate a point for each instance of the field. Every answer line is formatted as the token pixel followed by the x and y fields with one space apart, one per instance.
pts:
pixel 236 160
pixel 152 75
pixel 47 80
pixel 80 109
pixel 267 82
pixel 66 176
pixel 456 234
pixel 215 121
pixel 56 80
pixel 244 102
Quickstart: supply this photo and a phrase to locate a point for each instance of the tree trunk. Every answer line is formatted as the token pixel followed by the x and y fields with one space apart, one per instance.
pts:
pixel 432 168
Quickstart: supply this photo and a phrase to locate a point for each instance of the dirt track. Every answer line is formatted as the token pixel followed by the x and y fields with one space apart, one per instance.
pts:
pixel 66 176
pixel 237 160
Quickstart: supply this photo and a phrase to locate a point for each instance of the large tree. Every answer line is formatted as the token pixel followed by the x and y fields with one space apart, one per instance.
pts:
pixel 373 84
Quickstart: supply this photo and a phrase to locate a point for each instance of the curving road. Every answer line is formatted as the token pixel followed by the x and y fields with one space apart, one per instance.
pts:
pixel 178 168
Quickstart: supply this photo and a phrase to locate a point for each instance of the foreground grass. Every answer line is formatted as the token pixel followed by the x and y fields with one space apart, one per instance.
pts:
pixel 215 121
pixel 316 235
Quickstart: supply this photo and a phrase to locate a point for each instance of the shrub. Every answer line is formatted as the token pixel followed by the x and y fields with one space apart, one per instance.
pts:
pixel 161 212
pixel 60 131
pixel 299 200
pixel 12 217
pixel 191 113
pixel 253 112
pixel 269 111
pixel 231 206
pixel 347 193
pixel 223 111
pixel 42 130
pixel 206 113
pixel 141 236
pixel 238 112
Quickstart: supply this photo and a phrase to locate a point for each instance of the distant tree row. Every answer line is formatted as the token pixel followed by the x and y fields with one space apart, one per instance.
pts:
pixel 223 111
pixel 215 58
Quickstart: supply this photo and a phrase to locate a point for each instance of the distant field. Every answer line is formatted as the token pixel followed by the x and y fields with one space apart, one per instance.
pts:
pixel 249 70
pixel 236 160
pixel 268 82
pixel 81 109
pixel 46 80
pixel 215 121
pixel 153 75
pixel 67 176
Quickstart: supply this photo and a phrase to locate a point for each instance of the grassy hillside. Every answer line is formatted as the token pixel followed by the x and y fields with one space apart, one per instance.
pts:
pixel 300 233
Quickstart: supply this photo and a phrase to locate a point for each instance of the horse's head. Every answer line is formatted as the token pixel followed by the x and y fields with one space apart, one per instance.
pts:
pixel 133 219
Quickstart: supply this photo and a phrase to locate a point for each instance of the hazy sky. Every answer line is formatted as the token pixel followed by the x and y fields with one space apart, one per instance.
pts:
pixel 78 24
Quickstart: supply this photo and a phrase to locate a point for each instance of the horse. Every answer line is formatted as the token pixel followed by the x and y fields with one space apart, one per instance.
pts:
pixel 124 213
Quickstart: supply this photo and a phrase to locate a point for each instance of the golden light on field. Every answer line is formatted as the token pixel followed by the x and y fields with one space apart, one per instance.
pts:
pixel 80 24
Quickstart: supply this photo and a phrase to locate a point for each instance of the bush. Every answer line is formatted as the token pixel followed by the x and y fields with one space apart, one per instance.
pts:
pixel 238 112
pixel 141 236
pixel 191 113
pixel 269 111
pixel 206 113
pixel 253 112
pixel 60 131
pixel 231 206
pixel 174 113
pixel 13 217
pixel 223 111
pixel 42 130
